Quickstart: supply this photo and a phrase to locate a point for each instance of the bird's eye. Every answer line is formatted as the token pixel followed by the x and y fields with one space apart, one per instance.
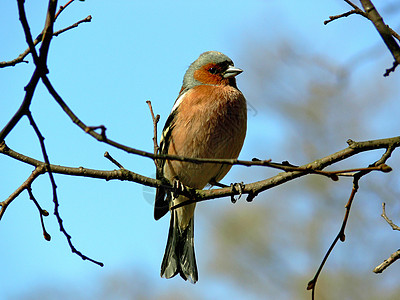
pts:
pixel 212 70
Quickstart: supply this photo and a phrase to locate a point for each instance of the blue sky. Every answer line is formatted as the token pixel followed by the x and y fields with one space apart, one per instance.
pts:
pixel 132 51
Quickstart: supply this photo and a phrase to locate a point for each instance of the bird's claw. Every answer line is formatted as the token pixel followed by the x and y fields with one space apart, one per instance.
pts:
pixel 237 187
pixel 178 188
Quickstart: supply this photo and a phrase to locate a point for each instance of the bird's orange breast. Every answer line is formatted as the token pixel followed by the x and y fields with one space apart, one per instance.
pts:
pixel 210 123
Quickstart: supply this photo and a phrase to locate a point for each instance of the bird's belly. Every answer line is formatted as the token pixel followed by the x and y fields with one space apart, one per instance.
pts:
pixel 223 138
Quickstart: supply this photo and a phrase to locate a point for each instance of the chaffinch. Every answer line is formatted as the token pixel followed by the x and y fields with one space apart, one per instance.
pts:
pixel 208 120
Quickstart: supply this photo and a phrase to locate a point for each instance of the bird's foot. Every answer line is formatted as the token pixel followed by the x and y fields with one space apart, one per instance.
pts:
pixel 237 187
pixel 178 188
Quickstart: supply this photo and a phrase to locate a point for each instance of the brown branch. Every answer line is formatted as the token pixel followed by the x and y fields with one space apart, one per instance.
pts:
pixel 346 14
pixel 390 222
pixel 110 158
pixel 27 31
pixel 382 28
pixel 352 4
pixel 392 69
pixel 102 138
pixel 47 36
pixel 103 130
pixel 37 40
pixel 30 88
pixel 55 197
pixel 42 213
pixel 341 235
pixel 61 9
pixel 41 71
pixel 85 20
pixel 394 256
pixel 155 122
pixel 27 183
pixel 386 33
pixel 312 284
pixel 122 174
pixel 252 189
pixel 387 262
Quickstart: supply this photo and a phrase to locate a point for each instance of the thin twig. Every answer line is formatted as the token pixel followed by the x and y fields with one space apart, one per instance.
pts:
pixel 37 40
pixel 346 14
pixel 37 172
pixel 55 197
pixel 394 256
pixel 390 222
pixel 382 28
pixel 252 189
pixel 361 145
pixel 30 88
pixel 352 4
pixel 386 33
pixel 85 20
pixel 27 31
pixel 341 235
pixel 42 213
pixel 61 9
pixel 103 130
pixel 41 70
pixel 155 122
pixel 83 172
pixel 387 262
pixel 392 69
pixel 110 158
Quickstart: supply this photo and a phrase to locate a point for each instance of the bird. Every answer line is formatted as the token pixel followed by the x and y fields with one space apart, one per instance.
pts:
pixel 207 120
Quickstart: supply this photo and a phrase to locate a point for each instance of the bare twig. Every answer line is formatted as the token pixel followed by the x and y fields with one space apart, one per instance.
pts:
pixel 394 256
pixel 103 130
pixel 110 158
pixel 41 71
pixel 30 88
pixel 55 197
pixel 42 213
pixel 155 122
pixel 122 174
pixel 37 40
pixel 352 4
pixel 100 137
pixel 387 262
pixel 392 69
pixel 382 28
pixel 61 9
pixel 85 20
pixel 346 14
pixel 341 235
pixel 252 189
pixel 37 172
pixel 390 222
pixel 386 33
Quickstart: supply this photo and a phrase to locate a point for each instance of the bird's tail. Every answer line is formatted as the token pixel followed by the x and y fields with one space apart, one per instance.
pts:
pixel 179 254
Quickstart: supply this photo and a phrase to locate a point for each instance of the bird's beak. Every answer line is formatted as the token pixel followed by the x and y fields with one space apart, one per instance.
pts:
pixel 231 72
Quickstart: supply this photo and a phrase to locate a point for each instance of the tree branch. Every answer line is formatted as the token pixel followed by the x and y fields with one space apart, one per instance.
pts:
pixel 386 33
pixel 37 40
pixel 27 183
pixel 383 30
pixel 394 256
pixel 252 189
pixel 387 262
pixel 341 235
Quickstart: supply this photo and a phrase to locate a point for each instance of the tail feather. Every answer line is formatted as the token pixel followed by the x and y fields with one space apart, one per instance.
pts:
pixel 179 256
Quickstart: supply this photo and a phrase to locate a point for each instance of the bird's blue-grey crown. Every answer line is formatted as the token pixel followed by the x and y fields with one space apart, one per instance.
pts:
pixel 204 58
